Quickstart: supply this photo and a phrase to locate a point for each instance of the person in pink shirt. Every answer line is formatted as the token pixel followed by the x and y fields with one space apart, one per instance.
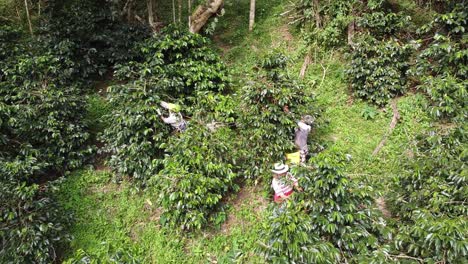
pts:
pixel 283 182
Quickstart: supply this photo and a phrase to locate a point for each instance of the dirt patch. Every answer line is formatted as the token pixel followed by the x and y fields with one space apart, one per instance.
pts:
pixel 222 45
pixel 383 207
pixel 285 33
pixel 249 196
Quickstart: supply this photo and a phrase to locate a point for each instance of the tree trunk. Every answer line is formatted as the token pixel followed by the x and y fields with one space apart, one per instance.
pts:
pixel 305 65
pixel 127 11
pixel 203 13
pixel 151 17
pixel 318 19
pixel 252 15
pixel 189 12
pixel 173 12
pixel 351 32
pixel 26 6
pixel 180 10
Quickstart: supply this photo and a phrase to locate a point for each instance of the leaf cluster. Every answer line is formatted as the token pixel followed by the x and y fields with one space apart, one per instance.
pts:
pixel 379 69
pixel 442 64
pixel 271 103
pixel 333 215
pixel 198 173
pixel 431 199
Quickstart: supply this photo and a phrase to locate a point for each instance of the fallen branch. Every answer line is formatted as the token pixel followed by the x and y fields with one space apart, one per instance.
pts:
pixel 304 66
pixel 407 257
pixel 395 118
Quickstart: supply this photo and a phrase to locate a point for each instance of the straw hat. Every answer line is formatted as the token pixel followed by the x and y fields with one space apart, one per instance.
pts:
pixel 280 168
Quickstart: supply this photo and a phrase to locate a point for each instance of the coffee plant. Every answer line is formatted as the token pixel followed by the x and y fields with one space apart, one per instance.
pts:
pixel 340 208
pixel 271 103
pixel 379 69
pixel 442 64
pixel 179 64
pixel 197 175
pixel 32 224
pixel 97 39
pixel 431 199
pixel 289 237
pixel 43 110
pixel 176 66
pixel 335 213
pixel 135 132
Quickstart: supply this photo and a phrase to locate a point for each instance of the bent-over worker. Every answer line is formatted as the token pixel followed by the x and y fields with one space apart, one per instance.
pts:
pixel 175 118
pixel 302 132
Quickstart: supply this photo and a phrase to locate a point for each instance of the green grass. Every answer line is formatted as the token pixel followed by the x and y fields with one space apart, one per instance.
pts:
pixel 114 221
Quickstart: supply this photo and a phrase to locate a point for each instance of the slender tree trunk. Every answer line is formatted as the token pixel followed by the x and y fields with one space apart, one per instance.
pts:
pixel 351 29
pixel 305 65
pixel 39 8
pixel 151 16
pixel 252 15
pixel 189 12
pixel 128 10
pixel 26 6
pixel 173 11
pixel 318 19
pixel 179 2
pixel 203 12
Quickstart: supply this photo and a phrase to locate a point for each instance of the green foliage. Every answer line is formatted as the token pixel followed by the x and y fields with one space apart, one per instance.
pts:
pixel 434 238
pixel 383 24
pixel 197 175
pixel 325 23
pixel 369 113
pixel 431 199
pixel 288 236
pixel 379 69
pixel 340 208
pixel 31 222
pixel 448 95
pixel 437 179
pixel 135 132
pixel 442 65
pixel 97 38
pixel 42 111
pixel 175 64
pixel 178 64
pixel 270 105
pixel 333 213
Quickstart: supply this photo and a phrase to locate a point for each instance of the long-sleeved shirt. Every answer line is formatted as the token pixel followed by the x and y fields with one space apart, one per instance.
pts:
pixel 302 132
pixel 175 120
pixel 282 185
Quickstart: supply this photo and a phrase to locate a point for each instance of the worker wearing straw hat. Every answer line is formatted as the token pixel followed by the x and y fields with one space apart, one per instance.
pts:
pixel 283 182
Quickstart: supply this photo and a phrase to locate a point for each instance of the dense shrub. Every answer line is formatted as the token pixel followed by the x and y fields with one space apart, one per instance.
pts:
pixel 339 211
pixel 379 69
pixel 197 175
pixel 289 237
pixel 135 132
pixel 31 222
pixel 96 36
pixel 270 105
pixel 448 95
pixel 430 199
pixel 41 110
pixel 442 64
pixel 383 24
pixel 178 64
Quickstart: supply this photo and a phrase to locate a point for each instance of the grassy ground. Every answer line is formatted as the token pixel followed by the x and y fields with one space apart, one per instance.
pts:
pixel 114 221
